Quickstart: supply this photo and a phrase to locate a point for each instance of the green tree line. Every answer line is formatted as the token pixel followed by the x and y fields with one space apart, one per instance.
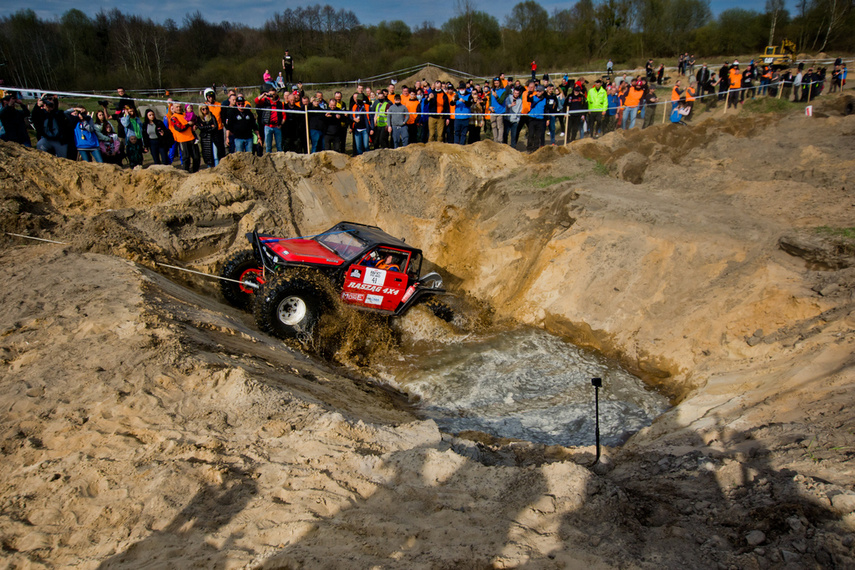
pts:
pixel 76 51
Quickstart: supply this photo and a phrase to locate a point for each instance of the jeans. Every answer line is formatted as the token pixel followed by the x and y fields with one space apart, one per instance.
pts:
pixel 159 152
pixel 243 145
pixel 53 147
pixel 514 133
pixel 90 154
pixel 461 128
pixel 360 141
pixel 271 133
pixel 317 140
pixel 400 136
pixel 552 121
pixel 629 115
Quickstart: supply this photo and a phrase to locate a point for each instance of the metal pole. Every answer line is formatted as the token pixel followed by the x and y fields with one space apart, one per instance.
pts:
pixel 597 383
pixel 566 125
pixel 308 138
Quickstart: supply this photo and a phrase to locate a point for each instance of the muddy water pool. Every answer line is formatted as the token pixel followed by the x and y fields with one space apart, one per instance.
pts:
pixel 519 383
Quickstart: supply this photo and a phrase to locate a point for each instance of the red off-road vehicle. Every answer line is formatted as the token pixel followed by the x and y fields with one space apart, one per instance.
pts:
pixel 289 282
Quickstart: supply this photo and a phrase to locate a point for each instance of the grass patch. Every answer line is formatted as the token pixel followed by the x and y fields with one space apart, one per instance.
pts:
pixel 601 169
pixel 847 234
pixel 770 105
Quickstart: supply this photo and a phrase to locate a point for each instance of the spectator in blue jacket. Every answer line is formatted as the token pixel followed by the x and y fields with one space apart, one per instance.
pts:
pixel 536 120
pixel 462 104
pixel 498 97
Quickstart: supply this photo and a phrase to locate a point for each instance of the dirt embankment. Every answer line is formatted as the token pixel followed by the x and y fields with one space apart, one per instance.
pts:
pixel 144 423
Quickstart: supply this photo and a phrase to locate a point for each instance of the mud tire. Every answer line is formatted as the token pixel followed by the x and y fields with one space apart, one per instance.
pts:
pixel 289 306
pixel 239 266
pixel 440 310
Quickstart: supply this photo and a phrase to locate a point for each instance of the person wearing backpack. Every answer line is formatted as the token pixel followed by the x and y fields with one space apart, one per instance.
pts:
pixel 85 138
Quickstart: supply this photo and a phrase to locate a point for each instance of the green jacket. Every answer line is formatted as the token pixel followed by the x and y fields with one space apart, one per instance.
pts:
pixel 598 99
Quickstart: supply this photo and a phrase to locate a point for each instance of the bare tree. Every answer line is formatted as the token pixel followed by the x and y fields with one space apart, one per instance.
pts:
pixel 836 10
pixel 773 8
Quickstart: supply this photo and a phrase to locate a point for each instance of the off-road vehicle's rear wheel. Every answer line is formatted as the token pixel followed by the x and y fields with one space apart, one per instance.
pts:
pixel 242 266
pixel 288 306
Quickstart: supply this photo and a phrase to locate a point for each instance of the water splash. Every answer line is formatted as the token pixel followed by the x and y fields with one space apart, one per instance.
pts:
pixel 520 383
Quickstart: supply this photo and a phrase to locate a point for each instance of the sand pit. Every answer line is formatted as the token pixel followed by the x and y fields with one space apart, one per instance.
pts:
pixel 146 424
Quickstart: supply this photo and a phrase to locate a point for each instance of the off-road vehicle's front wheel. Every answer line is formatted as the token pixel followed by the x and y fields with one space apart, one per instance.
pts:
pixel 243 267
pixel 288 306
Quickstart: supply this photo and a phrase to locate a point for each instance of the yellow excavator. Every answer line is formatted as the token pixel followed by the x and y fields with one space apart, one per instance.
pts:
pixel 779 57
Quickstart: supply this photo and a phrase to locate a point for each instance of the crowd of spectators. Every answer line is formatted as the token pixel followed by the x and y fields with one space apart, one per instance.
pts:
pixel 289 119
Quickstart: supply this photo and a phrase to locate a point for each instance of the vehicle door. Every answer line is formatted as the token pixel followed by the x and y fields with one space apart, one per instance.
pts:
pixel 373 282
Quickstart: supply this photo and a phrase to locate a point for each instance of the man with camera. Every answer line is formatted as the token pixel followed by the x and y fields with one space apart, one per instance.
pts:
pixel 52 132
pixel 14 120
pixel 271 117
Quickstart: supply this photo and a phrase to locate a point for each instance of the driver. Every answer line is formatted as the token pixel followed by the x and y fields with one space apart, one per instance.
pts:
pixel 389 264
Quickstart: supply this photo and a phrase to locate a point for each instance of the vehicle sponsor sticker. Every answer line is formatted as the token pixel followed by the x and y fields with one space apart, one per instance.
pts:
pixel 356 297
pixel 356 274
pixel 374 276
pixel 373 288
pixel 373 299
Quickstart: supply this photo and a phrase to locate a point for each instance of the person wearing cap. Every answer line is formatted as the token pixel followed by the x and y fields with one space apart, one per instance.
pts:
pixel 536 120
pixel 14 120
pixel 241 125
pixel 598 100
pixel 216 110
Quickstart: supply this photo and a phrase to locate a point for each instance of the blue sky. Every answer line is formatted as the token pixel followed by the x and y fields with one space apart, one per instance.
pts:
pixel 256 12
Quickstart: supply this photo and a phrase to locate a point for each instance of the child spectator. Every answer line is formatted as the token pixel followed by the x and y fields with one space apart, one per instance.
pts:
pixel 134 149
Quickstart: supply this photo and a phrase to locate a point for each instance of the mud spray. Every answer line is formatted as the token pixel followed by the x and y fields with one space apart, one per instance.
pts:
pixel 513 382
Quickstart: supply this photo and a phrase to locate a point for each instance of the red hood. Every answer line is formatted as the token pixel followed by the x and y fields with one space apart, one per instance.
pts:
pixel 303 250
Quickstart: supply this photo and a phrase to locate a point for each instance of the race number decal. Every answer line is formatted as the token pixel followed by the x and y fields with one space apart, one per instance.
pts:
pixel 373 299
pixel 374 276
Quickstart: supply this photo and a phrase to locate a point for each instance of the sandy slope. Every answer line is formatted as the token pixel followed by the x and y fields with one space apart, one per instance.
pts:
pixel 145 424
